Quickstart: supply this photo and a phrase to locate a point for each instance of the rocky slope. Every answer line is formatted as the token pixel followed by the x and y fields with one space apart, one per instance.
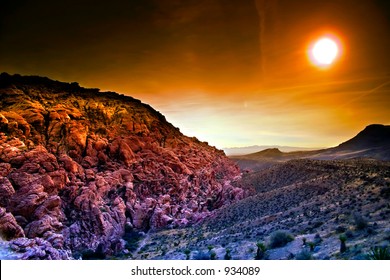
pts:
pixel 315 201
pixel 80 169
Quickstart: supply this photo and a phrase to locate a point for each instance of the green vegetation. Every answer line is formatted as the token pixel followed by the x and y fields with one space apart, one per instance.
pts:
pixel 379 253
pixel 312 245
pixel 343 246
pixel 280 239
pixel 213 255
pixel 228 256
pixel 304 255
pixel 261 250
pixel 360 222
pixel 187 252
pixel 201 256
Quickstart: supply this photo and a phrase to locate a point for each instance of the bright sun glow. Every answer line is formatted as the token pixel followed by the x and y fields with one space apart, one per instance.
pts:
pixel 324 52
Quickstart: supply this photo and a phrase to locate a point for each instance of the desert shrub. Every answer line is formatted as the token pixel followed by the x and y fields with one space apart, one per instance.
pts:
pixel 280 239
pixel 317 224
pixel 163 251
pixel 370 231
pixel 340 229
pixel 343 246
pixel 360 221
pixel 379 253
pixel 201 256
pixel 312 245
pixel 228 256
pixel 187 252
pixel 261 250
pixel 304 255
pixel 213 255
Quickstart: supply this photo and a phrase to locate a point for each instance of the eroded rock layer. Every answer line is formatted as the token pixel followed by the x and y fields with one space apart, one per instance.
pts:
pixel 78 167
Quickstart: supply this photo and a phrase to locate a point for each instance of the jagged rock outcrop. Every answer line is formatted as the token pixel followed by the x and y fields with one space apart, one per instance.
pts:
pixel 78 165
pixel 9 228
pixel 37 249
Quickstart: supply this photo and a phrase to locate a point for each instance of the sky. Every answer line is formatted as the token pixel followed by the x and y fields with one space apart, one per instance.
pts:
pixel 232 73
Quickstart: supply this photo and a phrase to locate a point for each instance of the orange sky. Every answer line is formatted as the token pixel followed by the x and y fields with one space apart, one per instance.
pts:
pixel 230 73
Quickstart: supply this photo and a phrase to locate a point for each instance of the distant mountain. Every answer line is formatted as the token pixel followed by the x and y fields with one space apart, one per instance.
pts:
pixel 273 152
pixel 267 158
pixel 373 136
pixel 237 151
pixel 372 142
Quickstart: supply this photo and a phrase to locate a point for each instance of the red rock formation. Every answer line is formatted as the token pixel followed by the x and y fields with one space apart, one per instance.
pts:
pixel 77 165
pixel 38 249
pixel 9 228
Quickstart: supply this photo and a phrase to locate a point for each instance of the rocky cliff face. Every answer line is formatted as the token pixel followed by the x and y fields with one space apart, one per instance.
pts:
pixel 79 168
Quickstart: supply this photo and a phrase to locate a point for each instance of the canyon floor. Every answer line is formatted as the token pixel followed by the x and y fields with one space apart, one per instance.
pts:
pixel 315 202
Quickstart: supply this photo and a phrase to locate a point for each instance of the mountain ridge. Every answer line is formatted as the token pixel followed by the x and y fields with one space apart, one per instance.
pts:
pixel 374 135
pixel 81 171
pixel 372 142
pixel 239 151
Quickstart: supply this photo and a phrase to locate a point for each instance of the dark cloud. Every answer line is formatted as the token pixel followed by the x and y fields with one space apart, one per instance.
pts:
pixel 236 55
pixel 197 39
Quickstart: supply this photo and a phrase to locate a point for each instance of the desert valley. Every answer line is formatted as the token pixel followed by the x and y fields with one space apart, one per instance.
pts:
pixel 86 174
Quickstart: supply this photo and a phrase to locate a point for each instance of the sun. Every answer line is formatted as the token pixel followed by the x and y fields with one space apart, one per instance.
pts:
pixel 324 52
